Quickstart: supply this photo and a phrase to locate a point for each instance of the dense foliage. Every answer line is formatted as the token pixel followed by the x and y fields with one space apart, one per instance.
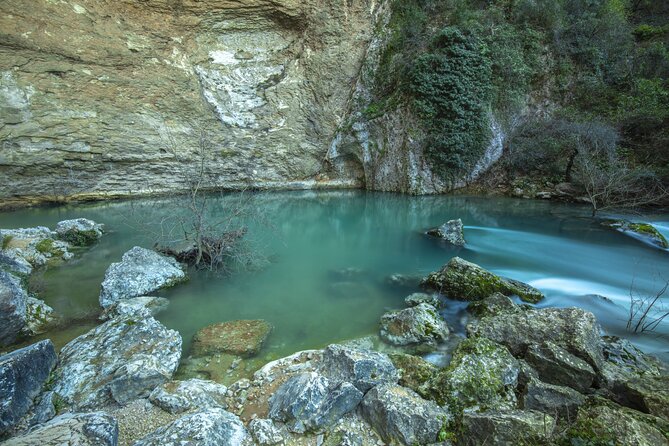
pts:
pixel 578 63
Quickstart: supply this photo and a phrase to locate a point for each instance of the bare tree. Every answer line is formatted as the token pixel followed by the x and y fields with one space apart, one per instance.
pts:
pixel 610 182
pixel 647 311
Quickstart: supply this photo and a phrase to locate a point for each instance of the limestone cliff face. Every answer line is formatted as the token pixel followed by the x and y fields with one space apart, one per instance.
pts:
pixel 108 97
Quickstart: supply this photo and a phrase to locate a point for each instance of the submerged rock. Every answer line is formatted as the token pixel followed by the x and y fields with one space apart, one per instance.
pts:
pixel 400 416
pixel 482 374
pixel 13 305
pixel 573 329
pixel 80 429
pixel 181 396
pixel 140 272
pixel 405 281
pixel 22 375
pixel 419 326
pixel 453 231
pixel 211 427
pixel 79 232
pixel 362 368
pixel 642 231
pixel 123 359
pixel 511 427
pixel 243 338
pixel 309 402
pixel 463 280
pixel 557 401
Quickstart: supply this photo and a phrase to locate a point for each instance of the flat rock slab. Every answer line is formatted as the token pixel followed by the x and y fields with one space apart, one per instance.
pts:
pixel 243 338
pixel 22 375
pixel 80 429
pixel 140 272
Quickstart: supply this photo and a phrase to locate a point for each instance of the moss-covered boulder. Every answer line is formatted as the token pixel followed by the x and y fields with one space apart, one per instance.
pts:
pixel 243 338
pixel 463 280
pixel 79 232
pixel 516 427
pixel 492 305
pixel 604 423
pixel 642 231
pixel 482 375
pixel 414 370
pixel 420 327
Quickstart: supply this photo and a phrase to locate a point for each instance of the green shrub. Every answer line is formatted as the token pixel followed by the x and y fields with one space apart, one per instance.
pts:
pixel 6 240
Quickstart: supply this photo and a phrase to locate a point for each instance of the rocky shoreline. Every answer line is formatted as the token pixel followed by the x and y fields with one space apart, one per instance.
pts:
pixel 521 375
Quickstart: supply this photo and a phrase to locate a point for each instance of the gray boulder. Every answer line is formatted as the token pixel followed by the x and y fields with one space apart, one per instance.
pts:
pixel 453 231
pixel 557 401
pixel 557 366
pixel 136 305
pixel 119 361
pixel 414 326
pixel 309 402
pixel 79 232
pixel 493 305
pixel 181 396
pixel 265 432
pixel 80 429
pixel 210 427
pixel 572 329
pixel 22 375
pixel 463 280
pixel 13 304
pixel 401 416
pixel 507 428
pixel 140 272
pixel 416 299
pixel 362 368
pixel 15 265
pixel 482 374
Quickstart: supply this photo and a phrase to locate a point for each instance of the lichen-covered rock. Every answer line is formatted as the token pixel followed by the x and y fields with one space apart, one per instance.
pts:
pixel 463 280
pixel 607 423
pixel 80 429
pixel 557 366
pixel 38 316
pixel 482 375
pixel 80 231
pixel 509 427
pixel 123 359
pixel 400 416
pixel 641 231
pixel 13 304
pixel 210 427
pixel 265 432
pixel 15 265
pixel 362 368
pixel 419 326
pixel 181 396
pixel 572 329
pixel 22 375
pixel 309 402
pixel 414 370
pixel 243 338
pixel 453 231
pixel 135 305
pixel 560 402
pixel 140 272
pixel 35 247
pixel 416 299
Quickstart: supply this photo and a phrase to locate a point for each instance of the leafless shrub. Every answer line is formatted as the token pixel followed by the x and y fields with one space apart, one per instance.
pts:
pixel 647 311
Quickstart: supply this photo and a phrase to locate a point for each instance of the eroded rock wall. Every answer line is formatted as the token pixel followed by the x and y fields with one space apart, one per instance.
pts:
pixel 110 97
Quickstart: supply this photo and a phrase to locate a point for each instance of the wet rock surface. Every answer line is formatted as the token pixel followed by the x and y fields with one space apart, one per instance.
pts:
pixel 140 272
pixel 463 280
pixel 243 338
pixel 23 374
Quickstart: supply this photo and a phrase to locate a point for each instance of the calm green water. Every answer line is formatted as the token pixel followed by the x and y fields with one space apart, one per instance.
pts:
pixel 308 236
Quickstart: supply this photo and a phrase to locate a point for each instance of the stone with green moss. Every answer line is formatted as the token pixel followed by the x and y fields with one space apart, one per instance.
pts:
pixel 463 280
pixel 643 231
pixel 414 370
pixel 420 327
pixel 79 232
pixel 481 376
